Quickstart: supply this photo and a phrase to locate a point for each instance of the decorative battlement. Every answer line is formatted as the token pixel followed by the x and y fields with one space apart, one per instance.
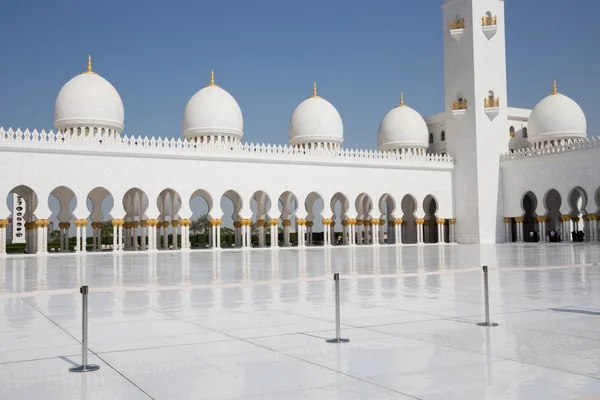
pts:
pixel 565 146
pixel 107 143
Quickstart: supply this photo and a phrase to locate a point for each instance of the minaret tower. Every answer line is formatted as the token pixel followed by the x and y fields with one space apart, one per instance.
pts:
pixel 476 128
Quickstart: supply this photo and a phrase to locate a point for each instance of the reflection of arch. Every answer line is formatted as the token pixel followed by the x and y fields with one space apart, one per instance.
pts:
pixel 529 205
pixel 409 226
pixel 387 207
pixel 430 231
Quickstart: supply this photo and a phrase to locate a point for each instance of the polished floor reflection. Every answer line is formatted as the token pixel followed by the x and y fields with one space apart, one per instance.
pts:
pixel 252 325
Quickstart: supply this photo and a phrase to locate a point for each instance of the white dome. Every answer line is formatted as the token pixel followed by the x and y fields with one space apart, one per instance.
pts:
pixel 402 127
pixel 213 112
pixel 315 120
pixel 89 100
pixel 556 117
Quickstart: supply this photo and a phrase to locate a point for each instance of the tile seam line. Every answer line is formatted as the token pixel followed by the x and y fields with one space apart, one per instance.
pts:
pixel 91 351
pixel 332 370
pixel 485 354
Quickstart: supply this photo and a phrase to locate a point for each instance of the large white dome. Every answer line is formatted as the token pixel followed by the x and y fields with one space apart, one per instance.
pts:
pixel 89 100
pixel 213 112
pixel 402 127
pixel 556 117
pixel 315 120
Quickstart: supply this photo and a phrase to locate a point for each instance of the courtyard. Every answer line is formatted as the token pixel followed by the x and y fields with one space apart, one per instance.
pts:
pixel 252 324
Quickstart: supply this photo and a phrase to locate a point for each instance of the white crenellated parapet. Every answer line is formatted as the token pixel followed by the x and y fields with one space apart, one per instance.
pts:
pixel 565 146
pixel 108 141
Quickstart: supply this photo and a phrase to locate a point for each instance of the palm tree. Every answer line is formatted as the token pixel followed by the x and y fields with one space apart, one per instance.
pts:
pixel 200 225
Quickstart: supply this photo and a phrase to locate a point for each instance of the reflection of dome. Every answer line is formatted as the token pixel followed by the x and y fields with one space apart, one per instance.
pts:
pixel 402 127
pixel 213 112
pixel 89 100
pixel 314 121
pixel 556 117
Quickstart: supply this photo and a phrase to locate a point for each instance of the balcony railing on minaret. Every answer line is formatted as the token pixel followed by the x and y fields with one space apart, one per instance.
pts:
pixel 488 20
pixel 460 104
pixel 457 24
pixel 491 102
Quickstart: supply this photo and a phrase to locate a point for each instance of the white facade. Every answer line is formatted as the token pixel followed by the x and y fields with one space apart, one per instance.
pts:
pixel 439 179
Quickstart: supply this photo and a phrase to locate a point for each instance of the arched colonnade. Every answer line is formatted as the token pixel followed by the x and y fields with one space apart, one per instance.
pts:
pixel 571 214
pixel 261 220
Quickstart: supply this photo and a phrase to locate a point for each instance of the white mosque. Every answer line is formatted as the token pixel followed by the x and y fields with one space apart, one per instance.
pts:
pixel 454 177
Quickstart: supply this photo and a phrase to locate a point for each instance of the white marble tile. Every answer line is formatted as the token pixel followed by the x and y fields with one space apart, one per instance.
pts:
pixel 251 325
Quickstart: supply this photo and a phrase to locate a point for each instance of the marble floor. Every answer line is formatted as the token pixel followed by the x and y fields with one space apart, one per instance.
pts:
pixel 252 324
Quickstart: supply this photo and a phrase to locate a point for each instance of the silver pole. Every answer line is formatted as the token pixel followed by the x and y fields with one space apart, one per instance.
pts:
pixel 338 338
pixel 486 300
pixel 84 367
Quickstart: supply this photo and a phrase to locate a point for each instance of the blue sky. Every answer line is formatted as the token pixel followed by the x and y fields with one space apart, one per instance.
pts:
pixel 268 53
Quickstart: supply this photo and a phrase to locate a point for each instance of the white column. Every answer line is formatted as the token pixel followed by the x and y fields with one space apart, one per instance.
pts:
pixel 442 236
pixel 218 244
pixel 274 234
pixel 144 229
pixel 3 225
pixel 115 236
pixel 83 235
pixel 77 237
pixel 213 236
pixel 175 235
pixel 286 233
pixel 381 233
pixel 120 237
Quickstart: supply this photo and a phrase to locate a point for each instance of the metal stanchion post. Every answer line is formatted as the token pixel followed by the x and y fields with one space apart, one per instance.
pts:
pixel 84 367
pixel 338 339
pixel 486 295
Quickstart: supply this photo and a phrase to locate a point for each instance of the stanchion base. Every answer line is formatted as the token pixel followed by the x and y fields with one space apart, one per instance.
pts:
pixel 487 324
pixel 85 368
pixel 337 340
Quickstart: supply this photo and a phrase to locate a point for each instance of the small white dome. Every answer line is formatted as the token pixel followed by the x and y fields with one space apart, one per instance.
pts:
pixel 402 127
pixel 315 120
pixel 212 111
pixel 556 117
pixel 89 100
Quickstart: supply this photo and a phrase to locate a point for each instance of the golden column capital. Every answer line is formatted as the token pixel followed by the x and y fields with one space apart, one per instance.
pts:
pixel 273 222
pixel 506 220
pixel 175 223
pixel 440 221
pixel 287 222
pixel 261 222
pixel 3 223
pixel 309 223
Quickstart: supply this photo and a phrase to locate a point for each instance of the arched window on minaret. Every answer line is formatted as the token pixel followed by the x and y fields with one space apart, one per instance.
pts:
pixel 511 131
pixel 431 138
pixel 443 136
pixel 524 133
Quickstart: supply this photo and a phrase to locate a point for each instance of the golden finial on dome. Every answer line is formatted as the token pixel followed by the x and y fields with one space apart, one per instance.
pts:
pixel 554 89
pixel 401 99
pixel 89 68
pixel 315 90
